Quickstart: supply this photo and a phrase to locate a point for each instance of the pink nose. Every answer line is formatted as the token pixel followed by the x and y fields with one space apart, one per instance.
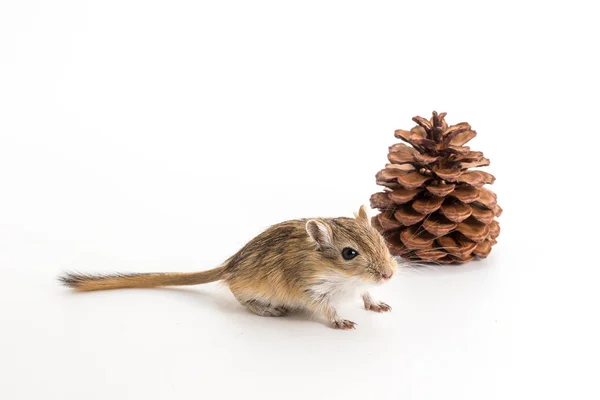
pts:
pixel 387 275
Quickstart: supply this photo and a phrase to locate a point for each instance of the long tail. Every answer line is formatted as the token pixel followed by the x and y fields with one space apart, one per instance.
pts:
pixel 87 283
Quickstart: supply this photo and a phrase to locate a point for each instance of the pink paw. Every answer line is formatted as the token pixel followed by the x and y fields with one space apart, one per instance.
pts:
pixel 378 307
pixel 343 324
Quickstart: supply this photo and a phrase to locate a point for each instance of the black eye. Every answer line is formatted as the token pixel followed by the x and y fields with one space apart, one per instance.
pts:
pixel 349 253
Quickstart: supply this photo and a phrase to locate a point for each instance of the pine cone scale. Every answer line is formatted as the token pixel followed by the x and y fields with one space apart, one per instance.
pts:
pixel 427 205
pixel 408 216
pixel 413 180
pixel 457 211
pixel 466 194
pixel 438 225
pixel 442 190
pixel 401 196
pixel 462 137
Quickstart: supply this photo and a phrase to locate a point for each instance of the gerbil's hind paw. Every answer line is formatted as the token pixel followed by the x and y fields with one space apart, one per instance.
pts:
pixel 343 324
pixel 378 307
pixel 266 309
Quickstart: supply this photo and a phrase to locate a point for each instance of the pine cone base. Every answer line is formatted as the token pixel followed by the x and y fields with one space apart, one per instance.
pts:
pixel 434 206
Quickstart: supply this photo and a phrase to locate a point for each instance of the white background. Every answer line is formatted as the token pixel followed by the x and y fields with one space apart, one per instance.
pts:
pixel 161 136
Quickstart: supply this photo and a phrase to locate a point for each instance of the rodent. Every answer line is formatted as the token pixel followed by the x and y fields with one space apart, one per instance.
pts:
pixel 299 264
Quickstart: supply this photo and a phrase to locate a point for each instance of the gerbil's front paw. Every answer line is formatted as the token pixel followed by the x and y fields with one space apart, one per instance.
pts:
pixel 378 307
pixel 343 324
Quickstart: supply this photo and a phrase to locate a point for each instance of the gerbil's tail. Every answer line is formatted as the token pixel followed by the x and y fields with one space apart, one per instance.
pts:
pixel 87 283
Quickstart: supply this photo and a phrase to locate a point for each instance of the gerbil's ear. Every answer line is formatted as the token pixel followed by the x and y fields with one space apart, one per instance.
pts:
pixel 320 233
pixel 362 215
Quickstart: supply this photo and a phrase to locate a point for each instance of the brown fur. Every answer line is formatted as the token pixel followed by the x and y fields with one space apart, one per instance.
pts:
pixel 88 283
pixel 292 265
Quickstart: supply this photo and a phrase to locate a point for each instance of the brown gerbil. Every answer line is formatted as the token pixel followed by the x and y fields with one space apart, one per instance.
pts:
pixel 301 264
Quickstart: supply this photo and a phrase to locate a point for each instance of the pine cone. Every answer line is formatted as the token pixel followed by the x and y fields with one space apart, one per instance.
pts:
pixel 434 208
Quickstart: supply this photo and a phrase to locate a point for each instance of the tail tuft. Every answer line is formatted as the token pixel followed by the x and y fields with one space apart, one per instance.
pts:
pixel 78 280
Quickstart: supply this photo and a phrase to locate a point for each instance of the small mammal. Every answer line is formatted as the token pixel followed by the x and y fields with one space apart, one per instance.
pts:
pixel 300 264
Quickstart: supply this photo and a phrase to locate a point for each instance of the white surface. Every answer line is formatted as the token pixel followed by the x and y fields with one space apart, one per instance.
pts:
pixel 160 136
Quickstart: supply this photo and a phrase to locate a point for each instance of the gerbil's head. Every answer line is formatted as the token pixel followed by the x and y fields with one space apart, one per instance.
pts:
pixel 353 246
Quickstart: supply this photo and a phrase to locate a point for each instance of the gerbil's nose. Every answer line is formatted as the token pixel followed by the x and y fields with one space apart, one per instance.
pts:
pixel 387 275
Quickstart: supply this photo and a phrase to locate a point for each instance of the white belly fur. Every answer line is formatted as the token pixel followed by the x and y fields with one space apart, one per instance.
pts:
pixel 334 287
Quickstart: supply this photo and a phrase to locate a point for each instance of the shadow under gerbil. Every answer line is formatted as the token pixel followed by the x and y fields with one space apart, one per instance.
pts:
pixel 220 300
pixel 226 303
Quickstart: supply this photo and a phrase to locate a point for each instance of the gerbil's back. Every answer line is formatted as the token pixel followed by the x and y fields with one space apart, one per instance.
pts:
pixel 273 255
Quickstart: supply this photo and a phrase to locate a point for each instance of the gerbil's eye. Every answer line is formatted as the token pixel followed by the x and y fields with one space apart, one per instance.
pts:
pixel 349 253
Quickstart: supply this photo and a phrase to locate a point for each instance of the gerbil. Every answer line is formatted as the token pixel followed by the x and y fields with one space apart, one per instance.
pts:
pixel 299 264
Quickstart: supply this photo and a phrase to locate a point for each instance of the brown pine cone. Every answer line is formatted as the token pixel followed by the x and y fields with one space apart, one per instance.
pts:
pixel 434 207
